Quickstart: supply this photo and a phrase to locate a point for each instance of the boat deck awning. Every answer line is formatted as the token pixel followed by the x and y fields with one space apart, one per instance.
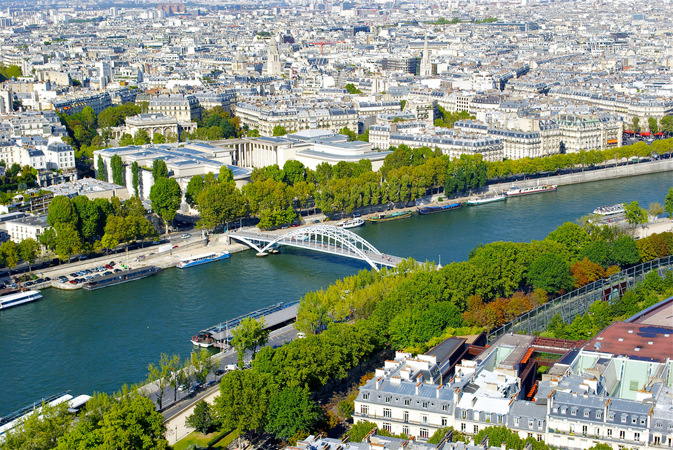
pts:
pixel 270 320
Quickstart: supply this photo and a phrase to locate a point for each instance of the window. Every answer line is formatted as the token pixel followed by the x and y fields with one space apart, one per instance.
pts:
pixel 425 433
pixel 407 402
pixel 388 399
pixel 623 418
pixel 516 421
pixel 445 421
pixel 365 396
pixel 634 420
pixel 424 418
pixel 387 412
pixel 405 416
pixel 476 429
pixel 405 430
pixel 597 431
pixel 573 411
pixel 584 429
pixel 598 414
pixel 622 434
pixel 463 414
pixel 364 409
pixel 586 413
pixel 445 407
pixel 636 437
pixel 387 427
pixel 463 427
pixel 539 438
pixel 530 423
pixel 609 432
pixel 425 405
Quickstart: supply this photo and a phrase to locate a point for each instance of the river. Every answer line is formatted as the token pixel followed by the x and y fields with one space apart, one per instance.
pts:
pixel 84 341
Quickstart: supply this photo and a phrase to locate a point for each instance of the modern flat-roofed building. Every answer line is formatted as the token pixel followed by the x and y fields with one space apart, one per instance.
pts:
pixel 27 227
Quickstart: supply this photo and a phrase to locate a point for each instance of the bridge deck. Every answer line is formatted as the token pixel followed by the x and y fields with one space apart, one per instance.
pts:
pixel 313 242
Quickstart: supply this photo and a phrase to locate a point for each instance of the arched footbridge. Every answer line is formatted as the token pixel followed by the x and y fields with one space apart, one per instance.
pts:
pixel 320 238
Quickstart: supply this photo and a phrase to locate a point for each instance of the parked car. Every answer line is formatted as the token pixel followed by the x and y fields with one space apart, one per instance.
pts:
pixel 39 280
pixel 108 273
pixel 219 372
pixel 186 236
pixel 117 270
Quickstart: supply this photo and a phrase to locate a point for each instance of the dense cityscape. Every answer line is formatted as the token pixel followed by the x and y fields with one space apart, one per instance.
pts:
pixel 526 302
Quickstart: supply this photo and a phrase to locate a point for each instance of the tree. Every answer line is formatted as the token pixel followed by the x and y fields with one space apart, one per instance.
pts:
pixel 88 117
pixel 135 171
pixel 293 172
pixel 625 252
pixel 159 376
pixel 668 203
pixel 653 125
pixel 219 204
pixel 201 419
pixel 359 430
pixel 201 365
pixel 158 138
pixel 193 189
pixel 68 241
pixel 350 87
pixel 249 335
pixel 655 210
pixel 550 272
pixel 159 169
pixel 125 140
pixel 41 429
pixel 347 132
pixel 635 123
pixel 571 236
pixel 117 170
pixel 61 210
pixel 101 172
pixel 141 137
pixel 279 130
pixel 166 197
pixel 291 410
pixel 125 420
pixel 48 238
pixel 28 250
pixel 252 133
pixel 635 215
pixel 9 254
pixel 244 400
pixel 586 272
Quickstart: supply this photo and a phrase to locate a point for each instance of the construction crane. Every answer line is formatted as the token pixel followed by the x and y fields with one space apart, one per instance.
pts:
pixel 323 43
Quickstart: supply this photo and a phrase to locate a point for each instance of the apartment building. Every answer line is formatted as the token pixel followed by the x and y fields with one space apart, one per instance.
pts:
pixel 27 227
pixel 616 389
pixel 453 143
pixel 182 107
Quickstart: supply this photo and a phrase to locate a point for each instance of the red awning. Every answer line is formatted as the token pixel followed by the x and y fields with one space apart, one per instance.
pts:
pixel 659 134
pixel 628 131
pixel 645 133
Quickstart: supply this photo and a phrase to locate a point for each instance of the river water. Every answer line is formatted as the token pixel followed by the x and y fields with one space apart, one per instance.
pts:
pixel 84 341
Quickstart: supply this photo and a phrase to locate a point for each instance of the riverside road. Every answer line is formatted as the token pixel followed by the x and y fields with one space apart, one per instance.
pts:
pixel 86 341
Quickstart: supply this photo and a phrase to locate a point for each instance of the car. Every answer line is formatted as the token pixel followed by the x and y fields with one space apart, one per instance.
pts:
pixel 210 383
pixel 301 335
pixel 195 387
pixel 112 263
pixel 73 275
pixel 316 221
pixel 175 246
pixel 47 279
pixel 294 225
pixel 29 283
pixel 39 280
pixel 219 372
pixel 230 367
pixel 285 227
pixel 117 270
pixel 182 387
pixel 73 281
pixel 108 266
pixel 108 273
pixel 186 236
pixel 83 257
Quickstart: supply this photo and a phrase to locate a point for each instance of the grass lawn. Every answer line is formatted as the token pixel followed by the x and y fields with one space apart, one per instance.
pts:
pixel 225 441
pixel 194 438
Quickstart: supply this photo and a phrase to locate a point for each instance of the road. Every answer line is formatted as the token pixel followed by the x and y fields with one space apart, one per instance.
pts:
pixel 185 399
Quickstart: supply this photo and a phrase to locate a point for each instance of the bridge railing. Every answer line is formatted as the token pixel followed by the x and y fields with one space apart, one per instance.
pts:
pixel 577 302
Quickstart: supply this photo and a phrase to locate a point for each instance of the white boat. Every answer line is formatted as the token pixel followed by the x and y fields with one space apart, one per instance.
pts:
pixel 514 191
pixel 203 339
pixel 610 210
pixel 7 301
pixel 202 259
pixel 481 201
pixel 351 223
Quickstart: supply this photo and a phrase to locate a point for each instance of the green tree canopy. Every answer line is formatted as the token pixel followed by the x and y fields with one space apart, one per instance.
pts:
pixel 244 400
pixel 61 210
pixel 117 170
pixel 635 215
pixel 249 335
pixel 279 130
pixel 292 411
pixel 166 197
pixel 159 169
pixel 550 272
pixel 125 140
pixel 219 204
pixel 202 418
pixel 141 137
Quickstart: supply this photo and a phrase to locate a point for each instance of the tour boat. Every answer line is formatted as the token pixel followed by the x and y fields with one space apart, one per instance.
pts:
pixel 436 209
pixel 514 191
pixel 202 259
pixel 203 340
pixel 481 201
pixel 391 216
pixel 610 210
pixel 7 301
pixel 121 277
pixel 351 223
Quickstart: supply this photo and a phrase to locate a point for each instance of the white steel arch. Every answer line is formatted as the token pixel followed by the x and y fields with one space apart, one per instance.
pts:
pixel 324 238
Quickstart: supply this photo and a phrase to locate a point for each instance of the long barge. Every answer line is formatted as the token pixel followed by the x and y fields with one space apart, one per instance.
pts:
pixel 436 209
pixel 121 277
pixel 515 191
pixel 388 217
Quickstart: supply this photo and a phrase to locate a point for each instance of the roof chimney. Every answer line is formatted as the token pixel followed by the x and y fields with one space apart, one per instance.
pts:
pixel 378 382
pixel 417 387
pixel 438 389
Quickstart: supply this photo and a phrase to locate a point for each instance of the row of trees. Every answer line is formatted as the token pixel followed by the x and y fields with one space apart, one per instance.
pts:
pixel 124 419
pixel 15 178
